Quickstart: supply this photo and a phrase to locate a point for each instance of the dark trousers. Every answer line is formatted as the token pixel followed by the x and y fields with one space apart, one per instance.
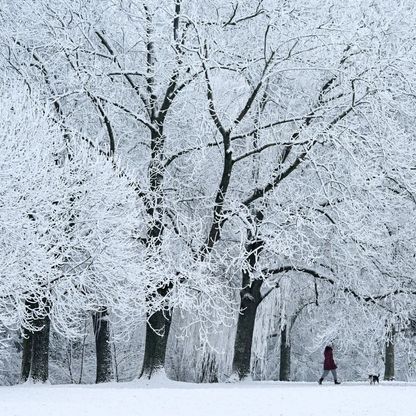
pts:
pixel 325 373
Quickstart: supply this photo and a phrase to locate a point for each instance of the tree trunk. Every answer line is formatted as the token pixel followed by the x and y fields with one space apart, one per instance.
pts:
pixel 158 324
pixel 244 338
pixel 284 372
pixel 389 359
pixel 102 335
pixel 26 355
pixel 39 371
pixel 157 332
pixel 250 300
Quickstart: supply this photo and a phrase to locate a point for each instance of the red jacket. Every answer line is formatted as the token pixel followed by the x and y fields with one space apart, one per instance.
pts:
pixel 329 363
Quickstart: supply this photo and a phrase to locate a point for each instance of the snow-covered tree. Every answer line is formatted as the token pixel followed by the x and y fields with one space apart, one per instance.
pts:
pixel 70 233
pixel 265 144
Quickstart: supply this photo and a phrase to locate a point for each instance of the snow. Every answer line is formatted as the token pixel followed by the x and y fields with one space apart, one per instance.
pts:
pixel 168 398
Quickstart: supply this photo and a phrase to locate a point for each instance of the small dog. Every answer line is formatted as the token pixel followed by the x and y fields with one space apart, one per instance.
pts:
pixel 374 378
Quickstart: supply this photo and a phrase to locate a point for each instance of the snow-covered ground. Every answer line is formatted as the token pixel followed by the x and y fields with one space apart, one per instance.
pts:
pixel 167 398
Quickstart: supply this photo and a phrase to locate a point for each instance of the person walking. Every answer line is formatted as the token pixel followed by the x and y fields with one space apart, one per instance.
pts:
pixel 329 365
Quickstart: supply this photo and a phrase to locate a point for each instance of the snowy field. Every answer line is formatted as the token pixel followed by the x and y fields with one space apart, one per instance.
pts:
pixel 174 399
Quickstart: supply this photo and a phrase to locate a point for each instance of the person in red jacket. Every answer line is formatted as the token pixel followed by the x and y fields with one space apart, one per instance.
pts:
pixel 329 365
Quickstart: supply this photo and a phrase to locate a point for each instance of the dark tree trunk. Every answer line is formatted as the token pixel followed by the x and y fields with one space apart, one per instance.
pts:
pixel 244 338
pixel 102 335
pixel 284 371
pixel 158 324
pixel 389 358
pixel 35 351
pixel 26 355
pixel 250 300
pixel 157 332
pixel 39 371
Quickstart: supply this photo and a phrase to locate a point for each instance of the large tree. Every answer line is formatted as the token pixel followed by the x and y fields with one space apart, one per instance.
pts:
pixel 70 229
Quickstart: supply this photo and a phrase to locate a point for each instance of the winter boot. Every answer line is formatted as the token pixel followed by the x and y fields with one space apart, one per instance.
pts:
pixel 320 380
pixel 337 382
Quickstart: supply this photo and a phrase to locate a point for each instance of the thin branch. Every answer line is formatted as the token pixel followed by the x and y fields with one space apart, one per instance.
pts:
pixel 276 123
pixel 210 95
pixel 127 76
pixel 106 121
pixel 129 112
pixel 369 298
pixel 264 147
pixel 260 192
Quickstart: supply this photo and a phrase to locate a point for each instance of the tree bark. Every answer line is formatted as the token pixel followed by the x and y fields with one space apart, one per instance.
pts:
pixel 39 371
pixel 244 338
pixel 157 332
pixel 250 300
pixel 102 335
pixel 26 355
pixel 389 359
pixel 285 349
